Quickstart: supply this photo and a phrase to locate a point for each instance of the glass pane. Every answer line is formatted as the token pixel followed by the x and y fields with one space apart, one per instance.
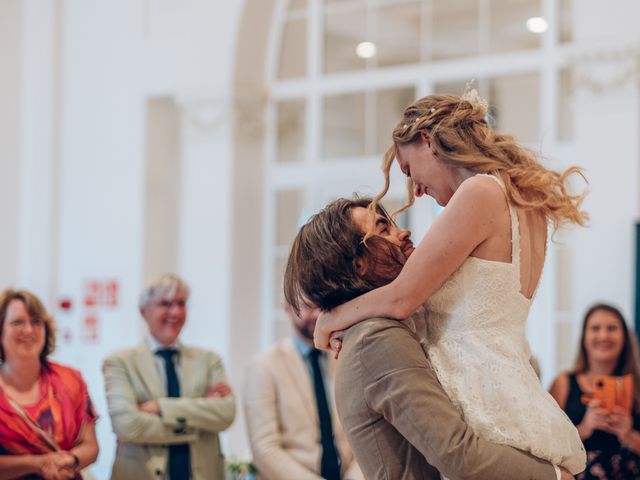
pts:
pixel 565 30
pixel 457 87
pixel 398 34
pixel 509 28
pixel 389 107
pixel 516 103
pixel 455 28
pixel 343 126
pixel 293 52
pixel 288 208
pixel 565 106
pixel 290 121
pixel 449 88
pixel 297 4
pixel 343 31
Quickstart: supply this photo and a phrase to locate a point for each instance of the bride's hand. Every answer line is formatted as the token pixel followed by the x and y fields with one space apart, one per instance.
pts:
pixel 323 330
pixel 335 341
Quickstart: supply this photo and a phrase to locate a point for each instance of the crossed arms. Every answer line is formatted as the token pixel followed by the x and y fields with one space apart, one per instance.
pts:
pixel 180 418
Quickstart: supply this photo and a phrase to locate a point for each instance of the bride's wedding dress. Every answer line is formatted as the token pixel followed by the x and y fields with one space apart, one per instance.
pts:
pixel 475 338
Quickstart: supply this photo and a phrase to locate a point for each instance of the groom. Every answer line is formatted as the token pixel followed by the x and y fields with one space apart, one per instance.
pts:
pixel 398 419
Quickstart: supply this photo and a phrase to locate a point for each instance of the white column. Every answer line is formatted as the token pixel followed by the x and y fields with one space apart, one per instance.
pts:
pixel 101 179
pixel 39 171
pixel 11 53
pixel 207 243
pixel 205 231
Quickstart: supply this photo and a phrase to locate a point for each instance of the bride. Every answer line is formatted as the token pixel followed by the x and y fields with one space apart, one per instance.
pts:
pixel 477 270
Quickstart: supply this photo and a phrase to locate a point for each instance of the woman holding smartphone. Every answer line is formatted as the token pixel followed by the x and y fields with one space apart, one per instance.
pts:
pixel 611 437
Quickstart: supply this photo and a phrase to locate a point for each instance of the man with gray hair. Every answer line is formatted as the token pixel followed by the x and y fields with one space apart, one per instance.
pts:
pixel 167 401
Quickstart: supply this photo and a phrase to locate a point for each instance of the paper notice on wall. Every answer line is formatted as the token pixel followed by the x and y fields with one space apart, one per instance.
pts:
pixel 99 296
pixel 64 319
pixel 89 330
pixel 111 293
pixel 101 293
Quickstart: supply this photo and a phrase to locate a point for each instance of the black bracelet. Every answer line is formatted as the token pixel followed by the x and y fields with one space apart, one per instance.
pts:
pixel 76 460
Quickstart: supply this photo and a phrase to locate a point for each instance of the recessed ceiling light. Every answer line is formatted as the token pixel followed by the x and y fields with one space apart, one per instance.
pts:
pixel 366 50
pixel 537 25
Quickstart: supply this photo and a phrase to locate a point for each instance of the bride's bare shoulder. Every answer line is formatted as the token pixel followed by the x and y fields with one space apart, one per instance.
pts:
pixel 481 192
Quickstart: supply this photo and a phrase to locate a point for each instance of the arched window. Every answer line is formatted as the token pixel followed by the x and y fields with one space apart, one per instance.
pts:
pixel 340 72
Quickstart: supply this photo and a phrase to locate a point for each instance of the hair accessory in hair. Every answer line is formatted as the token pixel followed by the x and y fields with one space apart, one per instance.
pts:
pixel 417 119
pixel 472 96
pixel 433 110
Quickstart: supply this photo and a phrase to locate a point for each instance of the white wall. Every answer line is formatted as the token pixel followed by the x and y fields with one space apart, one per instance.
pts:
pixel 118 54
pixel 11 50
pixel 81 72
pixel 607 127
pixel 606 111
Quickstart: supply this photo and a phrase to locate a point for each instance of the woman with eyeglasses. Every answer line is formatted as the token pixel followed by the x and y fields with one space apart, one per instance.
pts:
pixel 47 421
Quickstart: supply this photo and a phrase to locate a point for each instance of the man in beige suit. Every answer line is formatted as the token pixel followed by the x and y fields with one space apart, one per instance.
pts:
pixel 398 419
pixel 281 408
pixel 167 401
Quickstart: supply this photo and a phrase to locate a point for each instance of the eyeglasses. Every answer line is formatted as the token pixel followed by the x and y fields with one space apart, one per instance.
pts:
pixel 180 303
pixel 21 323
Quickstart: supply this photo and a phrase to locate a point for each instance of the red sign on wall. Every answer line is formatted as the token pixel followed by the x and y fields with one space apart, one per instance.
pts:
pixel 89 332
pixel 111 293
pixel 98 294
pixel 101 293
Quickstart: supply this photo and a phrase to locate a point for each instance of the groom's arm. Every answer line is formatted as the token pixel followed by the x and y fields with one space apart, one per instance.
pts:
pixel 402 386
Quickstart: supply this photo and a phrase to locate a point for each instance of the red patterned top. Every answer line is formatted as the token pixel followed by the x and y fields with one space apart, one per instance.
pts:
pixel 62 410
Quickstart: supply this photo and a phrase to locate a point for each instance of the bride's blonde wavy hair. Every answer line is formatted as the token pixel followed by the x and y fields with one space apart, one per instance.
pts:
pixel 461 138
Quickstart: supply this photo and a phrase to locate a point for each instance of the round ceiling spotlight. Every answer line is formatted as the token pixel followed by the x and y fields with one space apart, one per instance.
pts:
pixel 537 25
pixel 366 50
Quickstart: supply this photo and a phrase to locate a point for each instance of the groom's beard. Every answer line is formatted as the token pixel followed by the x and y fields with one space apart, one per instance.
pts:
pixel 306 329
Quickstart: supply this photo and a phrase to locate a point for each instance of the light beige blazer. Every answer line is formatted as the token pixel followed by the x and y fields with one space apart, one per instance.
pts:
pixel 131 377
pixel 400 422
pixel 282 419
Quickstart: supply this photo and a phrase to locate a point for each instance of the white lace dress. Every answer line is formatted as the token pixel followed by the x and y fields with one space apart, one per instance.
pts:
pixel 475 338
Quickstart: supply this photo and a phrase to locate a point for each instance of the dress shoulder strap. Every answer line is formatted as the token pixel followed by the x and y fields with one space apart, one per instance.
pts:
pixel 515 226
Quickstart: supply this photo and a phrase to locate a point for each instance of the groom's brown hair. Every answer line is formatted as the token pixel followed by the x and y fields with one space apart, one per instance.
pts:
pixel 329 262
